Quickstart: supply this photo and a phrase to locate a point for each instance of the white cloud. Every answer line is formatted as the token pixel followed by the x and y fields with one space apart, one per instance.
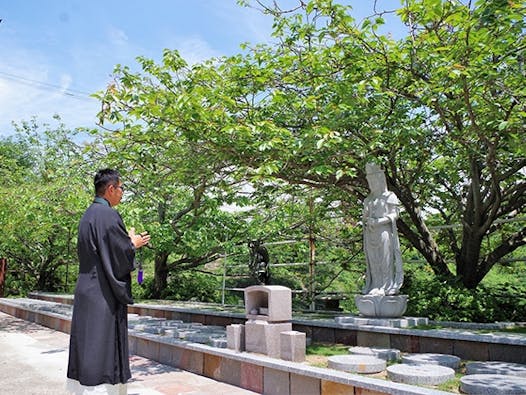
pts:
pixel 117 36
pixel 195 49
pixel 65 82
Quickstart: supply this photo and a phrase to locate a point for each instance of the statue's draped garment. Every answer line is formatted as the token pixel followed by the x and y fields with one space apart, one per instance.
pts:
pixel 384 273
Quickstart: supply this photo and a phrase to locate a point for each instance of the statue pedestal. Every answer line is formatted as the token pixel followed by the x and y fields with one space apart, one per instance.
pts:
pixel 381 306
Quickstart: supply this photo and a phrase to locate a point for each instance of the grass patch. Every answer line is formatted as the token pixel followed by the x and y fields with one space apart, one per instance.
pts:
pixel 451 385
pixel 515 329
pixel 327 350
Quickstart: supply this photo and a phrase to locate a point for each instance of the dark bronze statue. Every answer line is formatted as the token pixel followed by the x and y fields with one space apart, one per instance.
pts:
pixel 259 262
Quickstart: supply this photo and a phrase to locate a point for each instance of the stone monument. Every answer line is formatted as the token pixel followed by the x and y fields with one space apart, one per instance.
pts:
pixel 268 329
pixel 384 273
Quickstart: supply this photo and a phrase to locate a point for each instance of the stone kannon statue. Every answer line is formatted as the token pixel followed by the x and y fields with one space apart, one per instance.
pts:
pixel 384 274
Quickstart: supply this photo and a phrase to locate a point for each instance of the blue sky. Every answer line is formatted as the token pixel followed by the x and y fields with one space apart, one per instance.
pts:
pixel 55 53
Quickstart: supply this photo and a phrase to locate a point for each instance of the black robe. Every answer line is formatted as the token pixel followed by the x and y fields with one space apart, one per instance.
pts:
pixel 98 349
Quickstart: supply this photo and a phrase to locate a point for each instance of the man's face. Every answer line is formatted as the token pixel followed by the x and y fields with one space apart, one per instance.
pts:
pixel 114 193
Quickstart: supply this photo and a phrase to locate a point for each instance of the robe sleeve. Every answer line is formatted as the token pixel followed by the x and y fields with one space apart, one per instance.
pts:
pixel 117 255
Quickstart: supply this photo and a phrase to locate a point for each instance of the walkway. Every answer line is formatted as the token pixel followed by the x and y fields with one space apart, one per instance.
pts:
pixel 33 361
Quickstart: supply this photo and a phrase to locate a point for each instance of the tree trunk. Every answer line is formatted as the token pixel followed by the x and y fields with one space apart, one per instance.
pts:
pixel 419 235
pixel 467 261
pixel 161 274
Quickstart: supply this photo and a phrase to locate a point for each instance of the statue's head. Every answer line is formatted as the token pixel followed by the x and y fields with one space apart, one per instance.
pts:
pixel 375 177
pixel 253 244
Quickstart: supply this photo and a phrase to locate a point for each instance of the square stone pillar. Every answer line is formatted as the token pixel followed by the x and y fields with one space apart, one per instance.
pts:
pixel 264 337
pixel 235 337
pixel 293 344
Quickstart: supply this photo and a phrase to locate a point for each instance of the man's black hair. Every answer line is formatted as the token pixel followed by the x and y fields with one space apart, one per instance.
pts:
pixel 103 178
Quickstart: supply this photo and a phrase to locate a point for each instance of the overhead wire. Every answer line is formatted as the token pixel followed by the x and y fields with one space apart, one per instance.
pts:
pixel 77 94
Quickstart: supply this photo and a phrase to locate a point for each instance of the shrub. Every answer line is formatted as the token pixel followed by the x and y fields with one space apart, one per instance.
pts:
pixel 440 300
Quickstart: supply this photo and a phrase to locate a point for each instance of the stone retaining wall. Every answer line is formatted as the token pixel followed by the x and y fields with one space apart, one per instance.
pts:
pixel 465 344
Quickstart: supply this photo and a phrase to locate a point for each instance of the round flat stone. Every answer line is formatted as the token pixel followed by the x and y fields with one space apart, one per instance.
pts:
pixel 492 384
pixel 420 374
pixel 450 361
pixel 496 367
pixel 388 354
pixel 357 363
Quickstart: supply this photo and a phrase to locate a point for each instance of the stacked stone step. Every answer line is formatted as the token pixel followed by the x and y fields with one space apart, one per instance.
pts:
pixel 364 359
pixel 418 369
pixel 494 378
pixel 388 354
pixel 424 369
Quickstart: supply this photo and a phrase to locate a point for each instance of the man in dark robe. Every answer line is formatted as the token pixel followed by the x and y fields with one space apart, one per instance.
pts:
pixel 98 350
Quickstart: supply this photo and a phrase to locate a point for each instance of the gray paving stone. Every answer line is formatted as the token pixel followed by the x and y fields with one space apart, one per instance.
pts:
pixel 420 374
pixel 171 323
pixel 218 342
pixel 357 363
pixel 496 367
pixel 450 361
pixel 156 330
pixel 492 384
pixel 388 354
pixel 185 333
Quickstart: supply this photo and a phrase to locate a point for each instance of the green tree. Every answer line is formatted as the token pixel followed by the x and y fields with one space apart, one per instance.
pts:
pixel 442 109
pixel 176 185
pixel 41 201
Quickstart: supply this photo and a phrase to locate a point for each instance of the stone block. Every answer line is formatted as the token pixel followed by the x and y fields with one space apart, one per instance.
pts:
pixel 132 345
pixel 235 337
pixel 507 352
pixel 323 335
pixel 405 343
pixel 434 345
pixel 344 336
pixel 304 385
pixel 148 348
pixel 365 391
pixel 292 345
pixel 212 366
pixel 272 303
pixel 373 339
pixel 264 337
pixel 170 354
pixel 251 377
pixel 231 371
pixel 471 350
pixel 192 361
pixel 333 388
pixel 276 382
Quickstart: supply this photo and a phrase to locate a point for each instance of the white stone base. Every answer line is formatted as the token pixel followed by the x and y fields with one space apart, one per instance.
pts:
pixel 402 322
pixel 381 306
